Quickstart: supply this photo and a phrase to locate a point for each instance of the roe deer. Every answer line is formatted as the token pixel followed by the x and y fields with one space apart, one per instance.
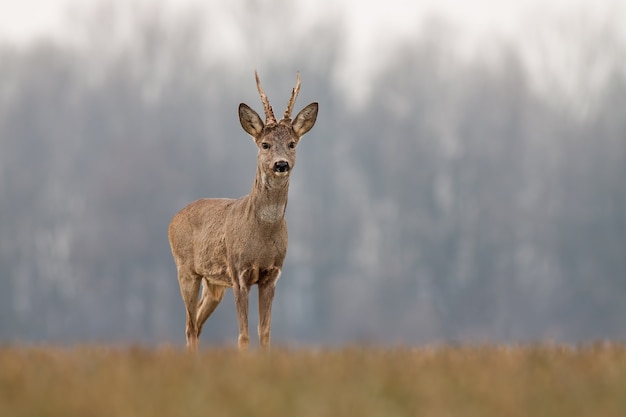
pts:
pixel 237 243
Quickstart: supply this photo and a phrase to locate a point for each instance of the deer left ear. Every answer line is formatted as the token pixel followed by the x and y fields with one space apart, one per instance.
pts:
pixel 305 120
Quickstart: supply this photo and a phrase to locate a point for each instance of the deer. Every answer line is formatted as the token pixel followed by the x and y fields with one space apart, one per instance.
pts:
pixel 219 243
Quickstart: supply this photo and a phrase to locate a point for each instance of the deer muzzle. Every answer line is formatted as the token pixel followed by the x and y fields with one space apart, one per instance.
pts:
pixel 281 167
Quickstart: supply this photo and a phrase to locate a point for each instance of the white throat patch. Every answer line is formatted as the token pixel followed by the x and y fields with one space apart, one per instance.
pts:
pixel 272 213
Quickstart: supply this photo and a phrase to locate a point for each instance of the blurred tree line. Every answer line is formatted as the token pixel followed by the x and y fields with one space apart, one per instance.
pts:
pixel 455 203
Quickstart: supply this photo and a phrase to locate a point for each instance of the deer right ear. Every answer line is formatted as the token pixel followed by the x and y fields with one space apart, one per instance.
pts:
pixel 250 121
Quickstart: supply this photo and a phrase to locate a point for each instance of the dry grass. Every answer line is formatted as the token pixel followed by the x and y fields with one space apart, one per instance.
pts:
pixel 444 381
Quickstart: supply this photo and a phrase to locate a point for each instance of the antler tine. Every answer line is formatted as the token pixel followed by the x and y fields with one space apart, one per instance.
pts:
pixel 269 113
pixel 292 100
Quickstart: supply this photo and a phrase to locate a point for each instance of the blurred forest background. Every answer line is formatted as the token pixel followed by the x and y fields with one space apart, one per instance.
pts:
pixel 453 196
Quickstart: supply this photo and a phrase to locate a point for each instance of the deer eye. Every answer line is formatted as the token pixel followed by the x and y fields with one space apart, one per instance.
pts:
pixel 292 145
pixel 265 145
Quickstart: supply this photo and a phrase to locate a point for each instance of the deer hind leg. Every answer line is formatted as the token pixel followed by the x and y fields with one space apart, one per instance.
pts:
pixel 266 296
pixel 212 295
pixel 189 289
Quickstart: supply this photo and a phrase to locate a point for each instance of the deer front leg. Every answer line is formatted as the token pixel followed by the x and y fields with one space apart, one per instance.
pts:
pixel 241 288
pixel 266 296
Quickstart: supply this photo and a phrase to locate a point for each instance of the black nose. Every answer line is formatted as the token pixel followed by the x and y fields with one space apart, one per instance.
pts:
pixel 281 166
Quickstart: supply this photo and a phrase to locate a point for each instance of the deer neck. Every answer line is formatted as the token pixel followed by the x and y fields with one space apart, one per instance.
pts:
pixel 268 198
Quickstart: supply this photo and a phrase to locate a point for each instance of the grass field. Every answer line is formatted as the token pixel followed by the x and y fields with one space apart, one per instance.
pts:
pixel 440 381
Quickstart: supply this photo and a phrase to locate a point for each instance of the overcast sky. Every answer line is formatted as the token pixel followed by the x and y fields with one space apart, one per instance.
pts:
pixel 369 27
pixel 22 20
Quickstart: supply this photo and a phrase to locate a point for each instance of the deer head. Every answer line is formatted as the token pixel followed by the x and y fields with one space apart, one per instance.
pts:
pixel 277 141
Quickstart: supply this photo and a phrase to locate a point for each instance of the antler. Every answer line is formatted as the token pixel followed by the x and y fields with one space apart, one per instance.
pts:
pixel 269 113
pixel 292 100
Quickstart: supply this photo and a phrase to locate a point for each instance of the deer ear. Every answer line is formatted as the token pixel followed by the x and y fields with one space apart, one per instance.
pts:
pixel 250 120
pixel 305 120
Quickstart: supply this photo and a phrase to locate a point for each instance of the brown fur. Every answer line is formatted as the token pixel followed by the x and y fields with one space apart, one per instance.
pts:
pixel 237 243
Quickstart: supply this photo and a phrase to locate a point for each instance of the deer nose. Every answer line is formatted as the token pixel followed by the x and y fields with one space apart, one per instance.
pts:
pixel 281 166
